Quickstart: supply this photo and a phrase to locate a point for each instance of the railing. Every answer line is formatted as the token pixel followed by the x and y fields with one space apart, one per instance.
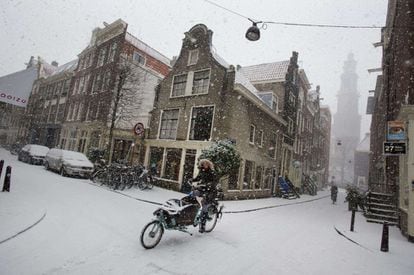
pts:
pixel 309 185
pixel 382 188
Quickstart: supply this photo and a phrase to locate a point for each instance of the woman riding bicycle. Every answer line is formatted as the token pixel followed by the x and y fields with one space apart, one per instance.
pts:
pixel 205 188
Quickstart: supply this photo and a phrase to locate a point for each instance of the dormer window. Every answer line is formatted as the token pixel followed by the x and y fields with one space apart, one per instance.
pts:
pixel 137 57
pixel 192 57
pixel 271 100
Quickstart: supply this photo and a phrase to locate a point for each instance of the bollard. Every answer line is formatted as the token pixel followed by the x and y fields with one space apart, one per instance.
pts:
pixel 6 186
pixel 384 239
pixel 1 166
pixel 352 219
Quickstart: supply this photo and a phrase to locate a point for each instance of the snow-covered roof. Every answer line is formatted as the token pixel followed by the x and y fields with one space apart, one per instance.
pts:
pixel 70 66
pixel 304 77
pixel 275 71
pixel 364 145
pixel 242 79
pixel 47 68
pixel 147 49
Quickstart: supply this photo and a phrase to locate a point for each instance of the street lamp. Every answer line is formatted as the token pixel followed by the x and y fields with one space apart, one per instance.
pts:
pixel 253 33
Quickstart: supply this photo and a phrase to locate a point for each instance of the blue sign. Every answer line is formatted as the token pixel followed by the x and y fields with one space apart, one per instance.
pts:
pixel 396 130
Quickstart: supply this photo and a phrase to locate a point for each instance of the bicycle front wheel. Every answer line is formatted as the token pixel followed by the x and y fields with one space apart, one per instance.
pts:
pixel 151 234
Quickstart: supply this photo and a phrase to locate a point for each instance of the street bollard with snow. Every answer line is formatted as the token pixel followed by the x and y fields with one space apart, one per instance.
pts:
pixel 1 166
pixel 6 186
pixel 352 219
pixel 384 240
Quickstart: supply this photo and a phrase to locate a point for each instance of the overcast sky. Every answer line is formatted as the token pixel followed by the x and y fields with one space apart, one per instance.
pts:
pixel 59 30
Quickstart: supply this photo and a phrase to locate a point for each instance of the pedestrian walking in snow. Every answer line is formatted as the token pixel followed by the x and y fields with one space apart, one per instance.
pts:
pixel 334 192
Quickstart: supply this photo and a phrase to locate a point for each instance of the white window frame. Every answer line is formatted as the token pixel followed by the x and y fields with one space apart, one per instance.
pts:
pixel 260 139
pixel 276 144
pixel 191 116
pixel 88 111
pixel 275 98
pixel 208 82
pixel 290 126
pixel 159 126
pixel 191 59
pixel 188 90
pixel 112 51
pixel 101 57
pixel 252 129
pixel 185 87
pixel 80 109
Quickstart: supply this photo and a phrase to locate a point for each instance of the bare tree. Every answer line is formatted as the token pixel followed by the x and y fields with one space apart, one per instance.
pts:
pixel 126 106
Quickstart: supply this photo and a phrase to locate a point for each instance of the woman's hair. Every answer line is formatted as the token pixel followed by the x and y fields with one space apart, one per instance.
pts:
pixel 207 163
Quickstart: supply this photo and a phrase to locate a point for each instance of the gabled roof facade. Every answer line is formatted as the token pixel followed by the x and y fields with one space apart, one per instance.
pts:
pixel 268 72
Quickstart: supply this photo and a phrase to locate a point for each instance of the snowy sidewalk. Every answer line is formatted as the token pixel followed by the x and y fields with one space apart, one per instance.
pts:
pixel 17 212
pixel 369 235
pixel 17 215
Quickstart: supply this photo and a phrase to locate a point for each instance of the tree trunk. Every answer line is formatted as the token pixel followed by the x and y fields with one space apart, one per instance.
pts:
pixel 113 117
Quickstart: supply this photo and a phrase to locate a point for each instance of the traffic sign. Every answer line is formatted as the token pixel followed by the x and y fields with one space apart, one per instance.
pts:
pixel 139 129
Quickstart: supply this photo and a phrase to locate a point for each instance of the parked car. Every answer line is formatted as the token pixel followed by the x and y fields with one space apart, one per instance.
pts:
pixel 33 154
pixel 15 148
pixel 68 163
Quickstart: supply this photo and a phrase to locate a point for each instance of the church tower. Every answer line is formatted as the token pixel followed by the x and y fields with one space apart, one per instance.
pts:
pixel 346 126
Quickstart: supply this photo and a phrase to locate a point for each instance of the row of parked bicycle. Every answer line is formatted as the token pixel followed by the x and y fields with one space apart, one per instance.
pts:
pixel 117 176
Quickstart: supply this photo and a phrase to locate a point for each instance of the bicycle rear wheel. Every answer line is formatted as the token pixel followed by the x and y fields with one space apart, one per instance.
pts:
pixel 99 177
pixel 211 220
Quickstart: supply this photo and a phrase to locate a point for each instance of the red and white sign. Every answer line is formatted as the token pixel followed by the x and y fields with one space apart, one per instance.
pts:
pixel 16 88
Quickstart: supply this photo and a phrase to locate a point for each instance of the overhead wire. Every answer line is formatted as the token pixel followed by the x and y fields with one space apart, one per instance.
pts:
pixel 295 24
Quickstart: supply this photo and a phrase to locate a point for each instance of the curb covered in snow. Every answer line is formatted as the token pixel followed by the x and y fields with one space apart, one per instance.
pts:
pixel 24 230
pixel 351 240
pixel 272 206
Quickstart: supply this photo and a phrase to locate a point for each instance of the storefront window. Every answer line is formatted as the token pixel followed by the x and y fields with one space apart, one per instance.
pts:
pixel 172 164
pixel 156 155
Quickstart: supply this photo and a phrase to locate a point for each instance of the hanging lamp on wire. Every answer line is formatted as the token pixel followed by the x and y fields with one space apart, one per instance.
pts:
pixel 253 33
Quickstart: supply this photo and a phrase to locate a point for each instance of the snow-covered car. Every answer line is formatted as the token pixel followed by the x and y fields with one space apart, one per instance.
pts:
pixel 68 163
pixel 33 153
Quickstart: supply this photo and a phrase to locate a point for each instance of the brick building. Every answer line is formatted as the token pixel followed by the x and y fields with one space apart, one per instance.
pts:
pixel 99 108
pixel 205 99
pixel 45 112
pixel 393 175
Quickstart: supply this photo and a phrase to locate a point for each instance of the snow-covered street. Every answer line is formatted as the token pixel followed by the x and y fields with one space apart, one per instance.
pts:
pixel 87 229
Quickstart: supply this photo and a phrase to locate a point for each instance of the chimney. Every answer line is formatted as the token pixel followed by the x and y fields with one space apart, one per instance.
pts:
pixel 173 61
pixel 31 62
